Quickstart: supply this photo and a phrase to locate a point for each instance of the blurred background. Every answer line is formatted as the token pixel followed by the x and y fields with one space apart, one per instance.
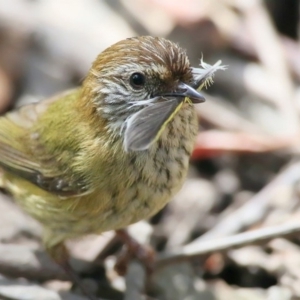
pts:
pixel 244 172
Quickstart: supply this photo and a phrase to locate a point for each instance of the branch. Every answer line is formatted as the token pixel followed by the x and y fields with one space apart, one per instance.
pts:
pixel 223 244
pixel 258 205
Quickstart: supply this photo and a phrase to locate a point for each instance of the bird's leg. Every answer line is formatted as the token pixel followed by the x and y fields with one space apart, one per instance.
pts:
pixel 133 249
pixel 60 255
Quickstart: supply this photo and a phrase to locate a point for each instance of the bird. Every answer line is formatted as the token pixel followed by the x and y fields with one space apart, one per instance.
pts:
pixel 108 153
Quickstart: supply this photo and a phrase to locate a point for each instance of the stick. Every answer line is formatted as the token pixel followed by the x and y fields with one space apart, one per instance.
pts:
pixel 223 244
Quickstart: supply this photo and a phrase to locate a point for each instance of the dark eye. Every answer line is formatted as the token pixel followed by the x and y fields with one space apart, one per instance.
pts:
pixel 137 80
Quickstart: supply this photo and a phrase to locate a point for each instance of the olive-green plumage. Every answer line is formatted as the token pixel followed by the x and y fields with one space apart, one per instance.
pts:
pixel 118 188
pixel 92 159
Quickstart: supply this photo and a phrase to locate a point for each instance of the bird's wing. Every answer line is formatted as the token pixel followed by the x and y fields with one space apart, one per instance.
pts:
pixel 24 154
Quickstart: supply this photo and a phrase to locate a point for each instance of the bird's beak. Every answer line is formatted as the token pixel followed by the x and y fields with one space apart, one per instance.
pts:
pixel 184 90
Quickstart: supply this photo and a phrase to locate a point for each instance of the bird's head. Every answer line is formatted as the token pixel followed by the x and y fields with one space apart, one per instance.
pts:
pixel 139 84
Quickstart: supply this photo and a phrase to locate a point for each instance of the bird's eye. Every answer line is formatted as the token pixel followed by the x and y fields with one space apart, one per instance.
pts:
pixel 137 80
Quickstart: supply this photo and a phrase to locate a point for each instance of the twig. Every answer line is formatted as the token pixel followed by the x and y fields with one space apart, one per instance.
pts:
pixel 212 142
pixel 204 248
pixel 255 209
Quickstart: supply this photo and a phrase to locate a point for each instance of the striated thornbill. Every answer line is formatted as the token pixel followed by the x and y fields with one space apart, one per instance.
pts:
pixel 111 152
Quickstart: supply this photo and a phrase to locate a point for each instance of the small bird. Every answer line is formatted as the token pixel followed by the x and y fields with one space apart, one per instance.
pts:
pixel 111 152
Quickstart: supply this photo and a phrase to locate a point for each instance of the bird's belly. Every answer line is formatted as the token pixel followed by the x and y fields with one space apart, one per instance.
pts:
pixel 147 191
pixel 142 199
pixel 133 210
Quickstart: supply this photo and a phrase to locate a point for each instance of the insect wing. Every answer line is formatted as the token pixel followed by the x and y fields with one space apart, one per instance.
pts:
pixel 145 127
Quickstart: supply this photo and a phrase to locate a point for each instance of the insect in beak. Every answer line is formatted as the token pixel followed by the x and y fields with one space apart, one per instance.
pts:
pixel 145 127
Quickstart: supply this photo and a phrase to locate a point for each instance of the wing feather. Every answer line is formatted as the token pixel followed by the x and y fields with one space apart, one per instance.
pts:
pixel 25 155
